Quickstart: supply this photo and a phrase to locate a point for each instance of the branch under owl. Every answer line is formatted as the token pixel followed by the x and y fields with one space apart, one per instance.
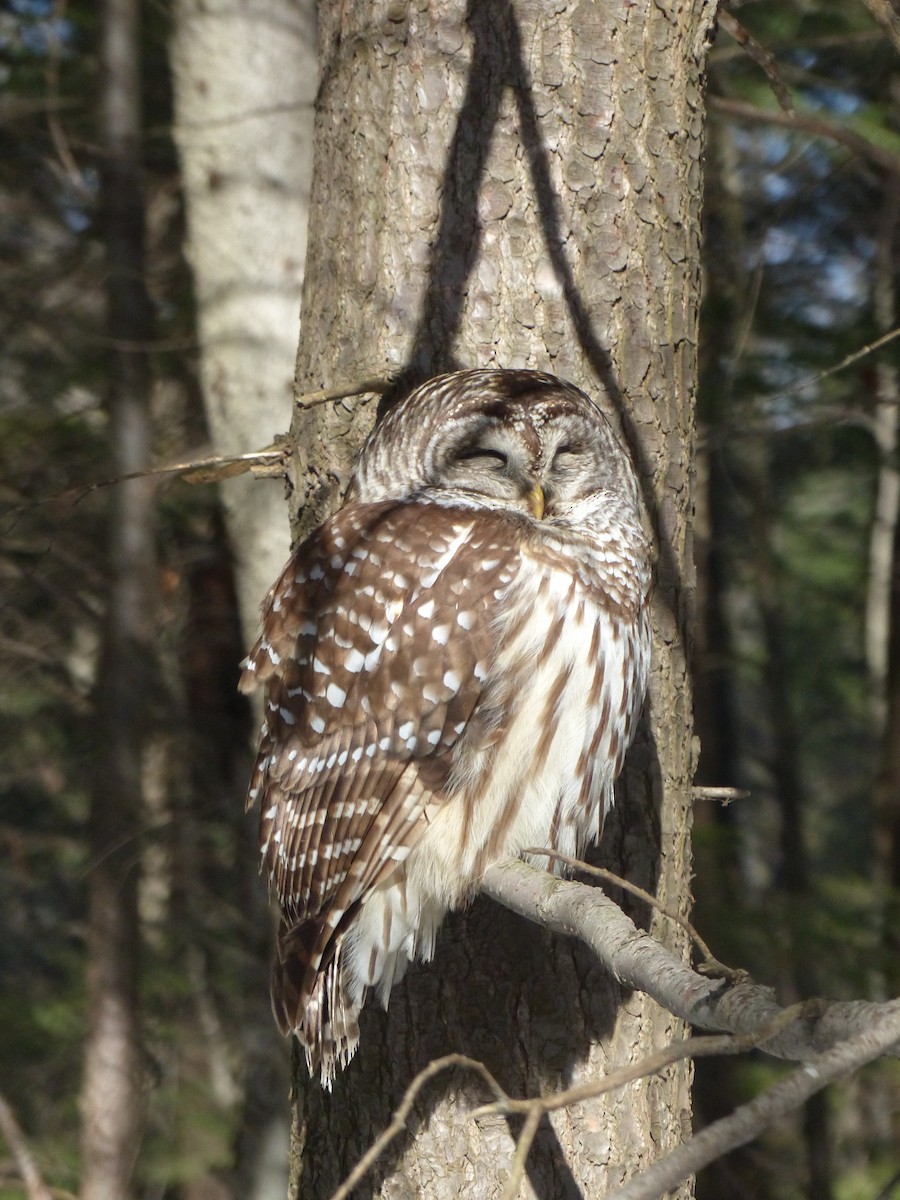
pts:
pixel 638 961
pixel 854 1035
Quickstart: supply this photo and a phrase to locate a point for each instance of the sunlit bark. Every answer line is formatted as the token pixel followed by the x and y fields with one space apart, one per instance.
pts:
pixel 516 184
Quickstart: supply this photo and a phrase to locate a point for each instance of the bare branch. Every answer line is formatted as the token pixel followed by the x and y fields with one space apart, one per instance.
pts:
pixel 760 55
pixel 270 460
pixel 714 1046
pixel 54 123
pixel 537 1107
pixel 638 961
pixel 807 123
pixel 747 1122
pixel 845 362
pixel 22 1156
pixel 832 1038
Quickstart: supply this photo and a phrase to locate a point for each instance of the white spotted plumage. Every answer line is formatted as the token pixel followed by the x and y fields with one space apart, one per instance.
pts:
pixel 455 663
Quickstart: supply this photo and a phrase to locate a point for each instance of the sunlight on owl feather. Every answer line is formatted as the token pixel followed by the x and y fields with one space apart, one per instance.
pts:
pixel 454 665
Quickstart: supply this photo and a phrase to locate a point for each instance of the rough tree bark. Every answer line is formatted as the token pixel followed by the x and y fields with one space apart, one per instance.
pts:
pixel 516 184
pixel 244 83
pixel 112 1091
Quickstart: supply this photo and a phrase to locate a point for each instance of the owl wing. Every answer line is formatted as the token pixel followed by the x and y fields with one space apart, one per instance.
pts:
pixel 374 650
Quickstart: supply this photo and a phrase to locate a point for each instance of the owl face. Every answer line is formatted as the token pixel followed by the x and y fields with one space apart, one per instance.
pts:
pixel 542 464
pixel 517 441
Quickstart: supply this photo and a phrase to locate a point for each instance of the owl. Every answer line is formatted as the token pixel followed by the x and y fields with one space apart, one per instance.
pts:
pixel 454 665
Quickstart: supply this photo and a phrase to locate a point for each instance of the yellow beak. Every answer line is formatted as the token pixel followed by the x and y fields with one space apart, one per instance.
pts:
pixel 535 500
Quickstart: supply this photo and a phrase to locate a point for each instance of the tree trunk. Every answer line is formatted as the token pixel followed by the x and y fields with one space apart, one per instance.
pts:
pixel 244 80
pixel 112 1093
pixel 516 184
pixel 883 606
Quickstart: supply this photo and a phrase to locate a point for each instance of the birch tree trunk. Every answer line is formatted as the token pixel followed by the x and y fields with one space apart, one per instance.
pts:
pixel 245 78
pixel 516 184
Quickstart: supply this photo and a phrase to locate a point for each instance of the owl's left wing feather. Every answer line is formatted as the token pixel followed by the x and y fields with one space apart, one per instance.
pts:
pixel 374 651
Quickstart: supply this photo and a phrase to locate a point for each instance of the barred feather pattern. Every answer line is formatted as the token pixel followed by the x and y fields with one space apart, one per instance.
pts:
pixel 453 665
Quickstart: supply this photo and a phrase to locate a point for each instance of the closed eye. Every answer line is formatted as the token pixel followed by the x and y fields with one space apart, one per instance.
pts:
pixel 482 454
pixel 566 452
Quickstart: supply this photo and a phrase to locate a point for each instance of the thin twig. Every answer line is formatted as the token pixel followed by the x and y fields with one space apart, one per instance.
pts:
pixel 889 1188
pixel 398 1123
pixel 760 55
pixel 377 385
pixel 807 123
pixel 535 1108
pixel 713 1046
pixel 21 1155
pixel 198 470
pixel 626 885
pixel 523 1149
pixel 217 467
pixel 887 17
pixel 845 362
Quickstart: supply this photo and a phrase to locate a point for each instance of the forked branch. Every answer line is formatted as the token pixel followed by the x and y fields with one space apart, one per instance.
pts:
pixel 638 961
pixel 832 1039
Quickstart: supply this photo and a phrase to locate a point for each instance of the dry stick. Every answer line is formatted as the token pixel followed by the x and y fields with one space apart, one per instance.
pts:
pixel 398 1123
pixel 377 385
pixel 748 1121
pixel 652 1064
pixel 535 1108
pixel 22 1156
pixel 724 794
pixel 51 79
pixel 637 960
pixel 888 1190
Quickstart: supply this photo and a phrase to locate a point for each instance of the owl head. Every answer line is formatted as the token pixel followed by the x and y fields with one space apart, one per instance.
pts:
pixel 520 441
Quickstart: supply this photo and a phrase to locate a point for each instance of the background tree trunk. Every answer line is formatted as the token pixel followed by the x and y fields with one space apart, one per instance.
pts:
pixel 112 1089
pixel 245 81
pixel 516 185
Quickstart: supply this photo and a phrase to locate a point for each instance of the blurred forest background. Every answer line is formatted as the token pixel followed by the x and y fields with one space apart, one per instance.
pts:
pixel 797 662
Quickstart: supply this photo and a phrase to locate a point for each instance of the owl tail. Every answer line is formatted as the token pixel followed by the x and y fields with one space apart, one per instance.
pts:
pixel 310 1000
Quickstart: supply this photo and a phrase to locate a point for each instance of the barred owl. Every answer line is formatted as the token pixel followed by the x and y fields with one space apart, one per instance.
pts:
pixel 454 664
